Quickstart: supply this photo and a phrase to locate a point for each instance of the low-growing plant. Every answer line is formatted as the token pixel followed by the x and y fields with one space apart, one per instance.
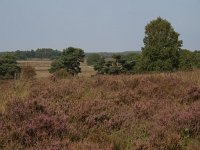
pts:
pixel 156 111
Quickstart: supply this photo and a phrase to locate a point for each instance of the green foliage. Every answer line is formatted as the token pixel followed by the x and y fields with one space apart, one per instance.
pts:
pixel 117 65
pixel 197 59
pixel 92 59
pixel 56 65
pixel 47 53
pixel 134 58
pixel 42 53
pixel 161 47
pixel 8 66
pixel 186 60
pixel 69 60
pixel 99 66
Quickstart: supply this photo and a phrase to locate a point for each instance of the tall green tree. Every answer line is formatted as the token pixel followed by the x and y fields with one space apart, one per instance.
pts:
pixel 69 60
pixel 8 66
pixel 161 46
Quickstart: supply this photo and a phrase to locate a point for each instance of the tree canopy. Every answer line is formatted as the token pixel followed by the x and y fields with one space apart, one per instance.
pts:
pixel 196 58
pixel 186 59
pixel 69 60
pixel 116 65
pixel 8 66
pixel 161 47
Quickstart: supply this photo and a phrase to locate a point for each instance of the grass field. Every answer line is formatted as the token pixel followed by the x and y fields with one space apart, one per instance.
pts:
pixel 42 66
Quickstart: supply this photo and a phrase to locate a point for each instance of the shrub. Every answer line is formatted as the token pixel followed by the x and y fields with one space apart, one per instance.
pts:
pixel 8 66
pixel 157 111
pixel 32 122
pixel 186 60
pixel 69 60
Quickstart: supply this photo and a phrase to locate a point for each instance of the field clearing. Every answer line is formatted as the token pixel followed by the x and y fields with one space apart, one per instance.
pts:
pixel 42 66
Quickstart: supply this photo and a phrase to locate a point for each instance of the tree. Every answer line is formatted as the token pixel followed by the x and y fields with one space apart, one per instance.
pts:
pixel 186 59
pixel 133 62
pixel 116 66
pixel 92 59
pixel 132 57
pixel 46 53
pixel 8 66
pixel 99 66
pixel 197 58
pixel 69 60
pixel 161 47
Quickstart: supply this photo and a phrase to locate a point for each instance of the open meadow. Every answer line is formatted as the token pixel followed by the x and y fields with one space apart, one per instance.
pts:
pixel 122 112
pixel 42 66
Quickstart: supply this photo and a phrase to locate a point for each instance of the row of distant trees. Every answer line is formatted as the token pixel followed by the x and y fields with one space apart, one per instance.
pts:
pixel 41 53
pixel 161 52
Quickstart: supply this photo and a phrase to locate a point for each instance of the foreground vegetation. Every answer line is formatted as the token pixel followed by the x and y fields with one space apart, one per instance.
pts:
pixel 152 111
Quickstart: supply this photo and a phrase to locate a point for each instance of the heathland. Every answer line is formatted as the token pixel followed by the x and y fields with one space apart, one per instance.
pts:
pixel 149 111
pixel 140 101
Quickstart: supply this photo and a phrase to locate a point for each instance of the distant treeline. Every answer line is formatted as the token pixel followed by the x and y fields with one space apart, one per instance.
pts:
pixel 41 53
pixel 110 54
pixel 49 53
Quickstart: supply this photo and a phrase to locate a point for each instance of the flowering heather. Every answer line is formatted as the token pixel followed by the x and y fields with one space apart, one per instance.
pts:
pixel 158 111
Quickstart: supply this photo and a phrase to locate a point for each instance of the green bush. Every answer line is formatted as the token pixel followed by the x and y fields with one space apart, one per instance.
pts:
pixel 197 59
pixel 8 66
pixel 69 60
pixel 186 60
pixel 117 65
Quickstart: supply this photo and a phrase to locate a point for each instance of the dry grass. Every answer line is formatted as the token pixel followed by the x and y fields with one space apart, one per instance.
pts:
pixel 41 66
pixel 86 71
pixel 190 76
pixel 10 90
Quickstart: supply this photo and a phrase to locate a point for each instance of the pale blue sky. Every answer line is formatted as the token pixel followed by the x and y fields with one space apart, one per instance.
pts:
pixel 93 25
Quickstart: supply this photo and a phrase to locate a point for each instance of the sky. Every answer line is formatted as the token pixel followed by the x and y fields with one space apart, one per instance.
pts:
pixel 93 25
